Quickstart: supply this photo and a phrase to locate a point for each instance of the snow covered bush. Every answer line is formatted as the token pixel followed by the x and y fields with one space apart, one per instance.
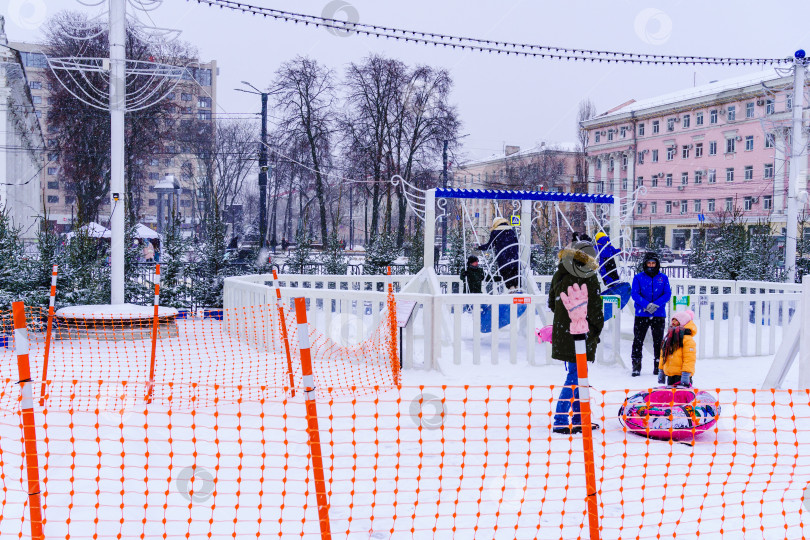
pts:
pixel 334 260
pixel 380 254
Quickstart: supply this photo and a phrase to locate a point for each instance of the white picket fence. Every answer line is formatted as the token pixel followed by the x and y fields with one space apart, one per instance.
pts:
pixel 733 318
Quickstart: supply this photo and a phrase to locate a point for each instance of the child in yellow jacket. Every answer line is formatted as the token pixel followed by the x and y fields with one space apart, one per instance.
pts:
pixel 678 353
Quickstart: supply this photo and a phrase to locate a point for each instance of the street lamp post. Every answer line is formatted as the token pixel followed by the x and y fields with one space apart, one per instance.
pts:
pixel 263 167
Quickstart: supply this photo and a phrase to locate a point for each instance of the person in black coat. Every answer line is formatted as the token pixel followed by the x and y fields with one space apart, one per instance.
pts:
pixel 504 242
pixel 474 276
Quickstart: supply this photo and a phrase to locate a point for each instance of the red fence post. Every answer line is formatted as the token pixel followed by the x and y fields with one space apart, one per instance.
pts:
pixel 51 303
pixel 587 434
pixel 312 417
pixel 28 421
pixel 154 334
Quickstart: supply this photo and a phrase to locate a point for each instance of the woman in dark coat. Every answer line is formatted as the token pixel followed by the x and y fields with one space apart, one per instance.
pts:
pixel 504 242
pixel 578 264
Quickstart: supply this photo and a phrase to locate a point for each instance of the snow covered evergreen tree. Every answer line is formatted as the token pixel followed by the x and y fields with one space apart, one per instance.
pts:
pixel 210 269
pixel 14 270
pixel 761 256
pixel 456 258
pixel 544 256
pixel 380 254
pixel 416 257
pixel 173 288
pixel 334 260
pixel 84 272
pixel 301 254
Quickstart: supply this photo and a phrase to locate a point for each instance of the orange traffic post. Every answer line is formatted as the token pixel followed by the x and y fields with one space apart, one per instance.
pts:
pixel 587 434
pixel 51 303
pixel 284 335
pixel 392 325
pixel 154 334
pixel 28 421
pixel 312 417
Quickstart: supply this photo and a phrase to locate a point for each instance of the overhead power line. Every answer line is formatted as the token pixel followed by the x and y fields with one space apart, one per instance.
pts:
pixel 489 46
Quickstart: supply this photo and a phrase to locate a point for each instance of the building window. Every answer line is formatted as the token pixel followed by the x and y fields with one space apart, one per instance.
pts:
pixel 654 181
pixel 729 204
pixel 767 202
pixel 686 120
pixel 711 205
pixel 698 177
pixel 168 162
pixel 713 148
pixel 731 145
pixel 610 134
pixel 611 164
pixel 204 115
pixel 712 176
pixel 154 162
pixel 653 207
pixel 655 156
pixel 668 207
pixel 749 110
pixel 656 125
pixel 749 172
pixel 596 137
pixel 204 102
pixel 639 208
pixel 697 206
pixel 185 202
pixel 51 171
pixel 171 95
pixel 623 131
pixel 185 97
pixel 641 130
pixel 748 203
pixel 685 151
pixel 685 179
pixel 749 143
pixel 53 185
pixel 36 100
pixel 203 76
pixel 70 199
pixel 624 161
pixel 33 59
pixel 789 103
pixel 152 202
pixel 35 85
pixel 713 117
pixel 670 124
pixel 730 174
pixel 38 113
pixel 154 176
pixel 53 199
pixel 640 181
pixel 669 180
pixel 53 156
pixel 699 150
pixel 684 206
pixel 670 153
pixel 731 113
pixel 624 184
pixel 768 170
pixel 699 119
pixel 770 140
pixel 641 158
pixel 769 106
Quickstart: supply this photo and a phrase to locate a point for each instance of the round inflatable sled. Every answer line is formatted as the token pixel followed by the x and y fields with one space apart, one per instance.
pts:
pixel 666 413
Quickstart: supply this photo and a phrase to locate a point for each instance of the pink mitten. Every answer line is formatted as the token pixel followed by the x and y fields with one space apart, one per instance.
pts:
pixel 544 334
pixel 576 302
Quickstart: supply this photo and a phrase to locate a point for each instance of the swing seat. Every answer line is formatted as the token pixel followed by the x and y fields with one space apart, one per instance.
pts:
pixel 504 316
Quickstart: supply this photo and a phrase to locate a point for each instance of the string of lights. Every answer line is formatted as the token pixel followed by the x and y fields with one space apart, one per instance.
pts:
pixel 489 46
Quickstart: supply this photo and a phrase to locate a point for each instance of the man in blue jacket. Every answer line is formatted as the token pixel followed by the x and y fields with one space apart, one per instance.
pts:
pixel 651 292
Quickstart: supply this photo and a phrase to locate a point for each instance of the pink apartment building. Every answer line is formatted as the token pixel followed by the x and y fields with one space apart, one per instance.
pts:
pixel 697 152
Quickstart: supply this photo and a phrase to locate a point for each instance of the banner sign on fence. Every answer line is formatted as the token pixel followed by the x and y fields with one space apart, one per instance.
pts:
pixel 683 300
pixel 611 304
pixel 521 300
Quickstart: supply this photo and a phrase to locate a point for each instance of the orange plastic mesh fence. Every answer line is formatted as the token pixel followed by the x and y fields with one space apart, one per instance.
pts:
pixel 222 451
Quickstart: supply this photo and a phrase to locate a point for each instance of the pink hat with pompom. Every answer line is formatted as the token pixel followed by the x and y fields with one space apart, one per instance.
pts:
pixel 683 317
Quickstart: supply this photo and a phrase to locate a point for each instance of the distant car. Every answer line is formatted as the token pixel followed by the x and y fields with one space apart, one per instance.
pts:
pixel 686 255
pixel 665 254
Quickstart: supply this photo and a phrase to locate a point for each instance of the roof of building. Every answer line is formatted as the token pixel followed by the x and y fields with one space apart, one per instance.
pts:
pixel 534 150
pixel 703 90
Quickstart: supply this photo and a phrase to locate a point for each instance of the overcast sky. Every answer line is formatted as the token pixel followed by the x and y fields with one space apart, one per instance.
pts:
pixel 501 100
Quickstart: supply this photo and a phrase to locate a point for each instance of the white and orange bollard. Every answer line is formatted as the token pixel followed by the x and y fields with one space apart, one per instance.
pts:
pixel 587 434
pixel 51 305
pixel 312 417
pixel 154 334
pixel 27 419
pixel 284 335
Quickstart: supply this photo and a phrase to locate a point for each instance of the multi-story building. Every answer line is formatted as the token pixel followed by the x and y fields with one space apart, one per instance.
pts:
pixel 193 97
pixel 21 145
pixel 541 168
pixel 712 148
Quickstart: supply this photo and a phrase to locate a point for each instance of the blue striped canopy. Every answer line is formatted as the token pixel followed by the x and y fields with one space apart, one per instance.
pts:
pixel 521 195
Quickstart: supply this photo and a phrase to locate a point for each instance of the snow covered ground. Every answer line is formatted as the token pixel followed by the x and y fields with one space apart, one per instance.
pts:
pixel 465 454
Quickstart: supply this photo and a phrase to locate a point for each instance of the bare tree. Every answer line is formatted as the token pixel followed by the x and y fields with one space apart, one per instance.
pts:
pixel 306 101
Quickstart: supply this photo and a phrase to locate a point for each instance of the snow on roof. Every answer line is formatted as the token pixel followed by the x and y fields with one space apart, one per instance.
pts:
pixel 93 230
pixel 142 231
pixel 114 311
pixel 695 92
pixel 536 149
